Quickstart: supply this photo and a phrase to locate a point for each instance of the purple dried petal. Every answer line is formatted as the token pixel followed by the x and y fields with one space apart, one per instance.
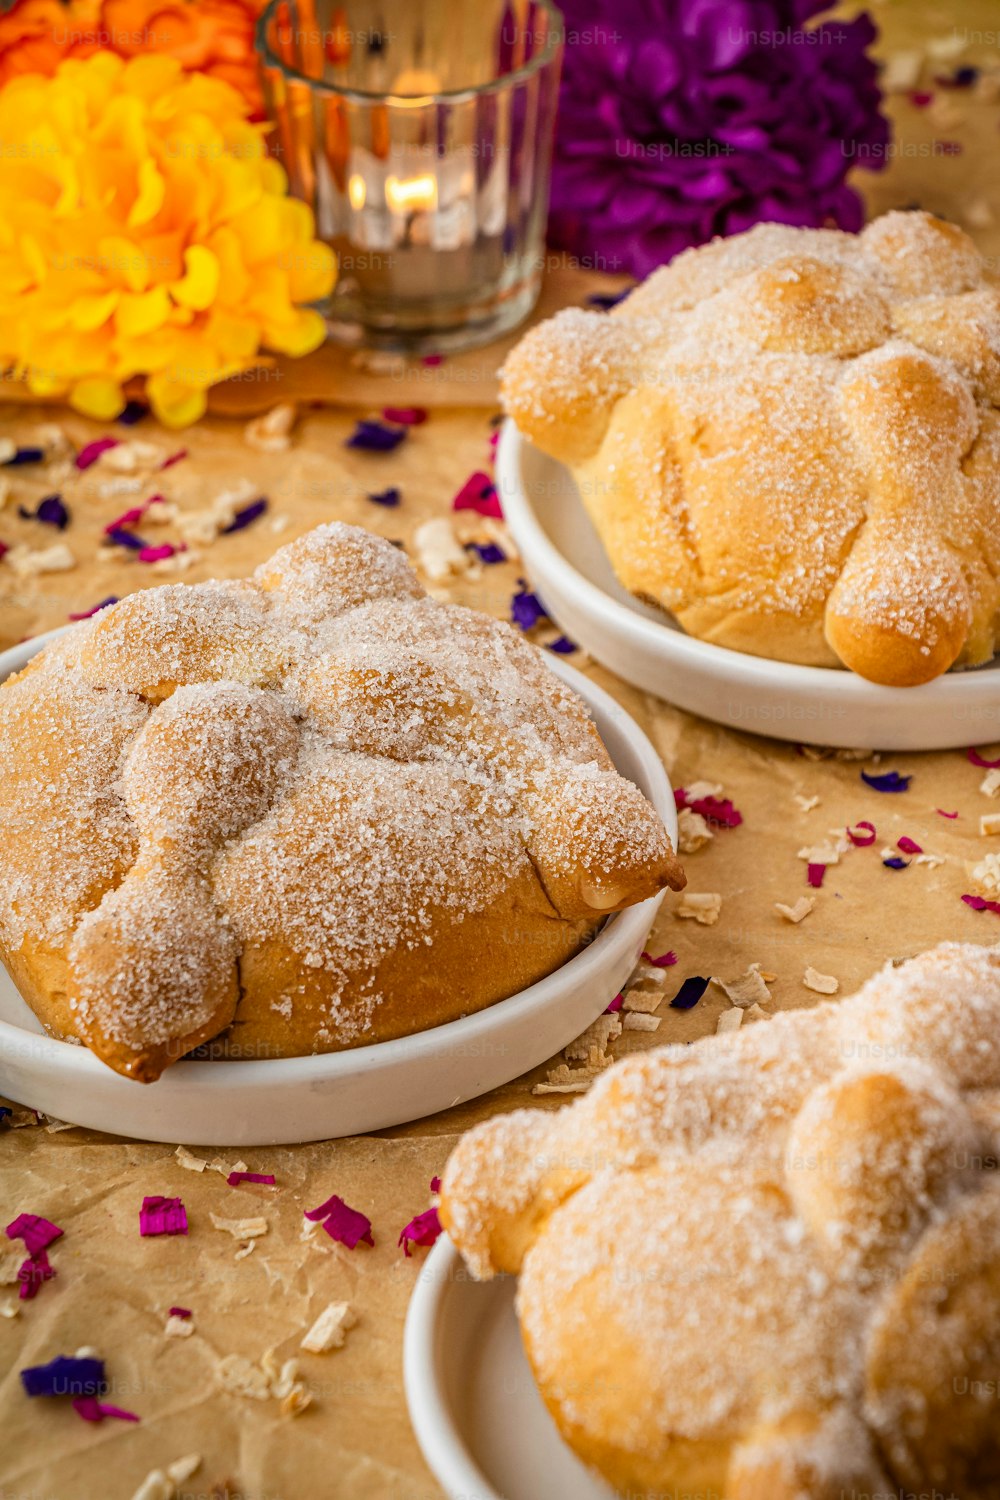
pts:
pixel 66 1375
pixel 246 516
pixel 895 863
pixel 526 609
pixel 162 1216
pixel 604 303
pixel 889 781
pixel 389 497
pixel 51 512
pixel 91 452
pixel 122 538
pixel 86 614
pixel 36 1232
pixel 131 413
pixel 423 1229
pixel 689 993
pixel 487 552
pixel 563 646
pixel 376 437
pixel 24 456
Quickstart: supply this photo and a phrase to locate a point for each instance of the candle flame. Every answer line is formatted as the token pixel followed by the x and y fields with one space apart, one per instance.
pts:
pixel 406 194
pixel 357 191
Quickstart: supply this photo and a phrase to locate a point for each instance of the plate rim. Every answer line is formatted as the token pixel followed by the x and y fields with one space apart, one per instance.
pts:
pixel 972 685
pixel 77 1063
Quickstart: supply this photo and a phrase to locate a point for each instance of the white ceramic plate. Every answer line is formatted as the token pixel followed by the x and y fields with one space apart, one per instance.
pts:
pixel 278 1100
pixel 567 564
pixel 475 1408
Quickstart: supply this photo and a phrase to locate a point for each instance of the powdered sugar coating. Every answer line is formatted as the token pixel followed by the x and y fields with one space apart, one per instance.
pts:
pixel 787 439
pixel 274 806
pixel 733 1252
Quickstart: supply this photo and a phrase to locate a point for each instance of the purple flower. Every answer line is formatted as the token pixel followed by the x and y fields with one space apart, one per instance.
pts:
pixel 51 511
pixel 526 609
pixel 246 516
pixel 390 497
pixel 684 119
pixel 487 552
pixel 690 993
pixel 376 437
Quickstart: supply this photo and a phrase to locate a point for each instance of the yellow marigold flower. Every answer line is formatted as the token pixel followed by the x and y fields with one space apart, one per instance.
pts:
pixel 144 230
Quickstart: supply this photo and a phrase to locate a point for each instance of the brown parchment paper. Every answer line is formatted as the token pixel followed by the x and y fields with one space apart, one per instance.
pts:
pixel 113 1289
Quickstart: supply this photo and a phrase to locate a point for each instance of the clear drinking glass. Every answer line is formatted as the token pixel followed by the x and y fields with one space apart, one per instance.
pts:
pixel 420 133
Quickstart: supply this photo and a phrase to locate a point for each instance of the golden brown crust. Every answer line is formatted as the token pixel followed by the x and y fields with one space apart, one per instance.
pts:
pixel 776 439
pixel 302 813
pixel 767 1265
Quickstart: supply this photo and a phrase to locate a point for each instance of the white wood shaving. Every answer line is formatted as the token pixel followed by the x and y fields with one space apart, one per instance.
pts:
pixel 278 524
pixel 188 1160
pixel 990 784
pixel 747 989
pixel 438 552
pixel 242 1377
pixel 595 1039
pixel 55 1127
pixel 989 823
pixel 987 874
pixel 9 1308
pixel 693 832
pixel 162 1484
pixel 757 1013
pixel 126 457
pixel 178 1328
pixel 826 853
pixel 10 1264
pixel 978 213
pixel 642 1001
pixel 931 860
pixel 699 789
pixel 245 1250
pixel 901 71
pixel 271 432
pixel 823 984
pixel 241 1229
pixel 699 906
pixel 329 1331
pixel 7 449
pixel 499 534
pixel 203 526
pixel 648 973
pixel 26 562
pixel 578 1086
pixel 947 47
pixel 636 1021
pixel 730 1020
pixel 806 804
pixel 297 1400
pixel 797 913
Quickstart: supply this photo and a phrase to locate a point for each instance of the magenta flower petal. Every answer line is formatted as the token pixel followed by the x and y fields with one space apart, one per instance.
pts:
pixel 32 1273
pixel 662 961
pixel 977 760
pixel 343 1223
pixel 423 1229
pixel 92 1410
pixel 91 452
pixel 908 845
pixel 162 1216
pixel 862 840
pixel 235 1178
pixel 478 493
pixel 815 874
pixel 36 1232
pixel 86 614
pixel 980 903
pixel 405 416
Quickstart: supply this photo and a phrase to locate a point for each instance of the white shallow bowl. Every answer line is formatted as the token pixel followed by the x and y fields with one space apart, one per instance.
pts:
pixel 277 1100
pixel 475 1408
pixel 566 563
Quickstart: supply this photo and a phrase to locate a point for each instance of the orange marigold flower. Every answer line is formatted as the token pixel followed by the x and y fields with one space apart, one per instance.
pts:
pixel 144 230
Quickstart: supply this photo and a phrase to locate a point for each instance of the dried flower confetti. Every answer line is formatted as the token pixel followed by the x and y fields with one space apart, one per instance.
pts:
pixel 980 903
pixel 35 1232
pixel 886 781
pixel 14 457
pixel 862 840
pixel 33 1273
pixel 490 554
pixel 66 1375
pixel 479 493
pixel 526 609
pixel 246 516
pixel 52 511
pixel 978 760
pixel 895 862
pixel 91 452
pixel 376 437
pixel 92 1410
pixel 342 1223
pixel 389 498
pixel 815 874
pixel 162 1216
pixel 235 1178
pixel 405 416
pixel 689 993
pixel 423 1229
pixel 662 961
pixel 908 845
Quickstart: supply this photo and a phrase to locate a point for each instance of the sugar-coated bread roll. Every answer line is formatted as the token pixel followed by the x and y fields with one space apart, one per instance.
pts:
pixel 789 440
pixel 766 1266
pixel 301 813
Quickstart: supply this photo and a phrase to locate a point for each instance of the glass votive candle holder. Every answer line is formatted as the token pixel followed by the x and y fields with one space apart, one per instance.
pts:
pixel 420 134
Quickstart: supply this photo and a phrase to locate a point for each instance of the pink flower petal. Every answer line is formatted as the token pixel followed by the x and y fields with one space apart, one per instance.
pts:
pixel 174 458
pixel 91 452
pixel 157 554
pixel 423 1229
pixel 616 1004
pixel 664 961
pixel 180 1312
pixel 478 493
pixel 405 416
pixel 980 903
pixel 36 1232
pixel 235 1178
pixel 944 814
pixel 814 874
pixel 134 516
pixel 342 1222
pixel 908 845
pixel 978 760
pixel 162 1216
pixel 862 840
pixel 31 1273
pixel 93 1410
